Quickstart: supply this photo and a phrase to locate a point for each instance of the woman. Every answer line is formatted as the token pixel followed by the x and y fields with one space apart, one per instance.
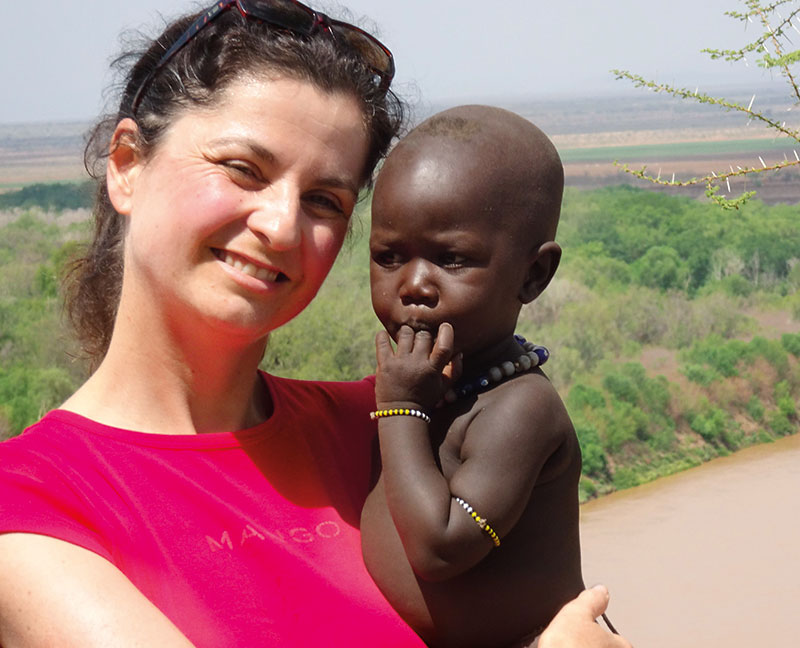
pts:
pixel 180 497
pixel 180 493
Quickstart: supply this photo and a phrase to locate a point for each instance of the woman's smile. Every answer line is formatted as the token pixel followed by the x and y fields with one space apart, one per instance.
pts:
pixel 250 267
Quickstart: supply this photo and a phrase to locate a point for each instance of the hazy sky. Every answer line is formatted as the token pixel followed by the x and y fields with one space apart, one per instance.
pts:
pixel 54 53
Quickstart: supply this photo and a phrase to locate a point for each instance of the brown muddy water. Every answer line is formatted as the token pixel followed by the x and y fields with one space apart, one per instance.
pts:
pixel 708 558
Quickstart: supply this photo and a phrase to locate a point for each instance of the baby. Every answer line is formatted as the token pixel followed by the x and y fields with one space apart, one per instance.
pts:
pixel 471 531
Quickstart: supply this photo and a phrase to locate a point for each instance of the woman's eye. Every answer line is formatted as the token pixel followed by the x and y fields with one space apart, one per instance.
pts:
pixel 242 170
pixel 326 205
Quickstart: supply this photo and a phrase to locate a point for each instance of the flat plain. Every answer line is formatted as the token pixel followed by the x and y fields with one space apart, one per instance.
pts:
pixel 666 135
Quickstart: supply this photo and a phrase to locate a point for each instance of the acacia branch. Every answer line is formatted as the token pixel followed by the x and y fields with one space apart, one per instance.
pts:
pixel 773 38
pixel 700 97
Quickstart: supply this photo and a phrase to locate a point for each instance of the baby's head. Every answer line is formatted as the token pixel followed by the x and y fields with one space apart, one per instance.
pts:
pixel 464 215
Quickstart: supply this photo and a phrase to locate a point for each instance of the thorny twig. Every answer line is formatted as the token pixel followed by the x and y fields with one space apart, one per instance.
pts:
pixel 774 35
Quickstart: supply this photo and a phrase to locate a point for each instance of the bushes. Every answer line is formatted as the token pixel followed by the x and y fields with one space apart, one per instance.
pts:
pixel 697 241
pixel 594 458
pixel 632 429
pixel 627 416
pixel 722 356
pixel 582 396
pixel 36 373
pixel 710 425
pixel 661 267
pixel 621 387
pixel 27 393
pixel 780 424
pixel 755 409
pixel 700 374
pixel 51 197
pixel 713 357
pixel 791 342
pixel 736 286
pixel 784 400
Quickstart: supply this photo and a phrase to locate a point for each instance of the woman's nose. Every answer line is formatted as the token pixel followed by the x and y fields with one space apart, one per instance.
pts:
pixel 277 219
pixel 418 286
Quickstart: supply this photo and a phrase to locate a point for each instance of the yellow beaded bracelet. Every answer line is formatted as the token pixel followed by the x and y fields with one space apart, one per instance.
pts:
pixel 400 412
pixel 481 522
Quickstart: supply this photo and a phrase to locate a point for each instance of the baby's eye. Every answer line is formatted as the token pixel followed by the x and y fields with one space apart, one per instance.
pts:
pixel 387 258
pixel 452 260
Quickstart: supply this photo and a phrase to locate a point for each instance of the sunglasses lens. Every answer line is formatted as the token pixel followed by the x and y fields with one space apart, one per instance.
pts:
pixel 367 48
pixel 299 18
pixel 283 13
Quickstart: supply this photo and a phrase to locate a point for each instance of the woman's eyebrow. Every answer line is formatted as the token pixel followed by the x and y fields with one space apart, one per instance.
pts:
pixel 265 155
pixel 257 149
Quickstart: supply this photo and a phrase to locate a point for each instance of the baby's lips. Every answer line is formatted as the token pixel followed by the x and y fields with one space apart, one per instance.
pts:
pixel 418 326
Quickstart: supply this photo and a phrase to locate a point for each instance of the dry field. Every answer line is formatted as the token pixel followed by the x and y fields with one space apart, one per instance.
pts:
pixel 602 129
pixel 46 152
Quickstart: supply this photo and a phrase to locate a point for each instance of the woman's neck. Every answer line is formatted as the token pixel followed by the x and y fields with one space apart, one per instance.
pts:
pixel 175 382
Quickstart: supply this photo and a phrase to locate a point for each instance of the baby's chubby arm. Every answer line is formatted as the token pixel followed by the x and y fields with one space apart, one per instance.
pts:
pixel 501 458
pixel 417 494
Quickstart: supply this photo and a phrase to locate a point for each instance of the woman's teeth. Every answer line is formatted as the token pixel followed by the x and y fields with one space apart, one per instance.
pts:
pixel 249 268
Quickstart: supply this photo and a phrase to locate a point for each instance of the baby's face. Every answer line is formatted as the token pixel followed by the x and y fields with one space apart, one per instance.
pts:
pixel 439 254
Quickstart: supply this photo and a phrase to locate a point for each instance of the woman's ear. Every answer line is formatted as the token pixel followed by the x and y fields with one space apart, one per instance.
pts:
pixel 124 165
pixel 542 265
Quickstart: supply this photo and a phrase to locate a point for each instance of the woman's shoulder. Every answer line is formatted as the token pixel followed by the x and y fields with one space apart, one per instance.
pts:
pixel 37 438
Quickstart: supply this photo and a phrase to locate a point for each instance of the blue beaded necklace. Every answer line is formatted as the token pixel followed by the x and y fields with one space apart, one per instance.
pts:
pixel 534 356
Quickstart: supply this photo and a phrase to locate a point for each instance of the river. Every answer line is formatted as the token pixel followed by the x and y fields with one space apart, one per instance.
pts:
pixel 708 558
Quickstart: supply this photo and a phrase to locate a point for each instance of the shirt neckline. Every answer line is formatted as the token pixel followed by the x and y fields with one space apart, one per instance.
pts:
pixel 186 441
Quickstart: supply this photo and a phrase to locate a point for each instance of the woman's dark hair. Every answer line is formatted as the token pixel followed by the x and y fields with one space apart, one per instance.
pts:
pixel 226 50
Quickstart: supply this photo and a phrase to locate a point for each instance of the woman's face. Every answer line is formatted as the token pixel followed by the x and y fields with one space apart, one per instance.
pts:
pixel 239 213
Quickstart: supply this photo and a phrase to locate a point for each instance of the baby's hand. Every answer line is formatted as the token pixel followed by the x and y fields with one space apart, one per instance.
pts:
pixel 414 373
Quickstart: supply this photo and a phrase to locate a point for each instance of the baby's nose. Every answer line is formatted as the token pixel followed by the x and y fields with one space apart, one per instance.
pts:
pixel 419 285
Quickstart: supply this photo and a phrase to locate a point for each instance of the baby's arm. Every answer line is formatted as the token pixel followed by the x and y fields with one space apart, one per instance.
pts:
pixel 501 457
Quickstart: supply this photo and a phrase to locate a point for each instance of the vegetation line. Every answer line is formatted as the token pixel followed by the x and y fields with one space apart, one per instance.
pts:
pixel 654 348
pixel 677 150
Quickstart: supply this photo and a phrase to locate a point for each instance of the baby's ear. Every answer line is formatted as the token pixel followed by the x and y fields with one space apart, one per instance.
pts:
pixel 542 265
pixel 124 164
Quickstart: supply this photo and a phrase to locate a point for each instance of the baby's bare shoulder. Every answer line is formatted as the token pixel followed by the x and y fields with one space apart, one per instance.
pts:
pixel 529 406
pixel 525 414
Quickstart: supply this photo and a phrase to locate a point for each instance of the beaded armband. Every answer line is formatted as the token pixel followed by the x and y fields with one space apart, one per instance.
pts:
pixel 481 522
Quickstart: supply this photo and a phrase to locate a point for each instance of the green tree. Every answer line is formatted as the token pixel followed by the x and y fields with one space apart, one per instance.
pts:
pixel 662 267
pixel 51 196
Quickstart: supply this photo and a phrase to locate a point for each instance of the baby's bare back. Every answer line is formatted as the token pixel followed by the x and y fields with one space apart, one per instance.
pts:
pixel 517 587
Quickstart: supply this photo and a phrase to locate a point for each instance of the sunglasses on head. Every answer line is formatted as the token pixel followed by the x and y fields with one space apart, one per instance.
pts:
pixel 295 17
